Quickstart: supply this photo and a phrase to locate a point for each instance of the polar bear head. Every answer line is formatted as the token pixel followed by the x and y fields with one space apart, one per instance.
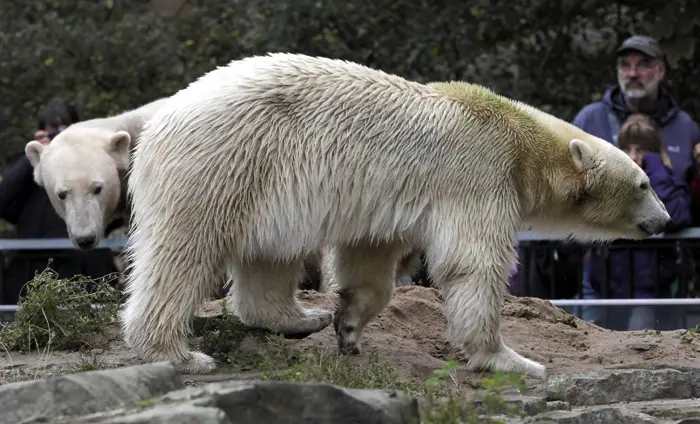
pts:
pixel 82 170
pixel 596 193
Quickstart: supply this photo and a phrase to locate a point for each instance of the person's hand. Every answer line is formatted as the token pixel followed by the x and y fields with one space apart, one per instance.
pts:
pixel 42 137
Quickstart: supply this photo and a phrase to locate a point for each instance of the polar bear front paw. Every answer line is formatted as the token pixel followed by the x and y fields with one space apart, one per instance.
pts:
pixel 348 344
pixel 506 360
pixel 199 363
pixel 314 321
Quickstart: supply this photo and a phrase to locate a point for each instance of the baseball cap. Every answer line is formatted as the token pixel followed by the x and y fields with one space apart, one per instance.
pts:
pixel 642 44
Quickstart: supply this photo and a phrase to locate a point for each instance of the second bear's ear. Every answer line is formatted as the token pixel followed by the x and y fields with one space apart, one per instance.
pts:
pixel 120 143
pixel 581 154
pixel 33 150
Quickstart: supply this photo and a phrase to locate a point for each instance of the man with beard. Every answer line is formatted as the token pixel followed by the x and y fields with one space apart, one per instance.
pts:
pixel 641 68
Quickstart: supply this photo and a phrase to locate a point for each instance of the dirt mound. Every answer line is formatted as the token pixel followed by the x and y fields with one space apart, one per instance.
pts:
pixel 410 334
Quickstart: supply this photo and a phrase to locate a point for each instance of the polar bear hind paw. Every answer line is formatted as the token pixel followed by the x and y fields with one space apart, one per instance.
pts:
pixel 314 321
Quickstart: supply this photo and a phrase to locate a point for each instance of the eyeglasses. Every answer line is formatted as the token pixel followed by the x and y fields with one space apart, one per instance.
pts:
pixel 641 65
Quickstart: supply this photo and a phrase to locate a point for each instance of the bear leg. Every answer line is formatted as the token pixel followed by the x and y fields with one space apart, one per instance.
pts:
pixel 364 275
pixel 263 295
pixel 166 287
pixel 473 286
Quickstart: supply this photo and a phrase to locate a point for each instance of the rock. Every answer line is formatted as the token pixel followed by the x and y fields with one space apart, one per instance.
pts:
pixel 85 392
pixel 558 405
pixel 283 402
pixel 620 385
pixel 640 346
pixel 693 373
pixel 670 408
pixel 161 414
pixel 154 393
pixel 595 415
pixel 531 405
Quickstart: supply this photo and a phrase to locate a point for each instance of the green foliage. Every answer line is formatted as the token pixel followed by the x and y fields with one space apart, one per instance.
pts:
pixel 113 55
pixel 446 404
pixel 91 362
pixel 443 400
pixel 279 362
pixel 690 335
pixel 59 314
pixel 222 336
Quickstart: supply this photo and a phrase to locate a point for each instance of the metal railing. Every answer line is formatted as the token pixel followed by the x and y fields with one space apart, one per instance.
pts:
pixel 528 242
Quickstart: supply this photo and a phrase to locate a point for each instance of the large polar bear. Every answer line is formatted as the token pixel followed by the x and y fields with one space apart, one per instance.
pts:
pixel 263 161
pixel 83 171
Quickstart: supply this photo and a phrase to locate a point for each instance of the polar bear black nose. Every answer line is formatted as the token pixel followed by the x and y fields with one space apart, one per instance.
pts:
pixel 85 242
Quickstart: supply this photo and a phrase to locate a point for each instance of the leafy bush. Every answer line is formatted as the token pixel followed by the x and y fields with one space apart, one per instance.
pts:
pixel 62 314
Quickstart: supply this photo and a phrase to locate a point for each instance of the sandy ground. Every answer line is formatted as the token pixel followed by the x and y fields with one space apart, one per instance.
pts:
pixel 410 334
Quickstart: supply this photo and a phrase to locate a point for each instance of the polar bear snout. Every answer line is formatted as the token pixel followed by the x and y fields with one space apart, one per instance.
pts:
pixel 85 224
pixel 654 217
pixel 656 225
pixel 86 242
pixel 651 229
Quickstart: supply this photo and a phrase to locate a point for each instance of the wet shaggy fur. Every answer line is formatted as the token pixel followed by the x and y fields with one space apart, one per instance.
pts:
pixel 83 171
pixel 268 159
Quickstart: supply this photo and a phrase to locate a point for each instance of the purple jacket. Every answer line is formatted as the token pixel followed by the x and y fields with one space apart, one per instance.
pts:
pixel 679 133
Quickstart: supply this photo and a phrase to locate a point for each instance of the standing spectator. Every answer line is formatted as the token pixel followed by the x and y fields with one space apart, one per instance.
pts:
pixel 26 205
pixel 641 69
pixel 640 138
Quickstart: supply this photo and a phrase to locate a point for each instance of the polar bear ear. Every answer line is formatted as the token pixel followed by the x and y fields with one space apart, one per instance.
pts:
pixel 33 150
pixel 120 143
pixel 581 154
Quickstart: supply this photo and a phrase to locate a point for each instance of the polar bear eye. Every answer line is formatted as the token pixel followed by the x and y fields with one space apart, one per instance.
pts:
pixel 644 186
pixel 62 195
pixel 97 190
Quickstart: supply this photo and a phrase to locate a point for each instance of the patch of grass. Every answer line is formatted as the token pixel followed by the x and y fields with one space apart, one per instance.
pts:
pixel 446 402
pixel 654 332
pixel 281 363
pixel 222 336
pixel 59 312
pixel 92 362
pixel 689 335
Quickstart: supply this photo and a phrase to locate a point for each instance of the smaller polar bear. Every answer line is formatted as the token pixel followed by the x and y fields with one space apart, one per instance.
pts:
pixel 261 162
pixel 83 171
pixel 407 267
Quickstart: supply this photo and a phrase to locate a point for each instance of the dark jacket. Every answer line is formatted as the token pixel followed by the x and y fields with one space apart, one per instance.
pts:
pixel 679 133
pixel 678 130
pixel 27 206
pixel 675 194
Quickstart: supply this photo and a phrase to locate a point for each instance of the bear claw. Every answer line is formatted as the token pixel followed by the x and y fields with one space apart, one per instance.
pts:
pixel 349 349
pixel 346 344
pixel 199 363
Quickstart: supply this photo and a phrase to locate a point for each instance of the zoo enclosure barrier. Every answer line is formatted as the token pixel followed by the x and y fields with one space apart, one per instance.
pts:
pixel 683 305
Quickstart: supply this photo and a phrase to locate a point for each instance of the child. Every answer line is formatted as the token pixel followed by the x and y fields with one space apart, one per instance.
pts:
pixel 640 138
